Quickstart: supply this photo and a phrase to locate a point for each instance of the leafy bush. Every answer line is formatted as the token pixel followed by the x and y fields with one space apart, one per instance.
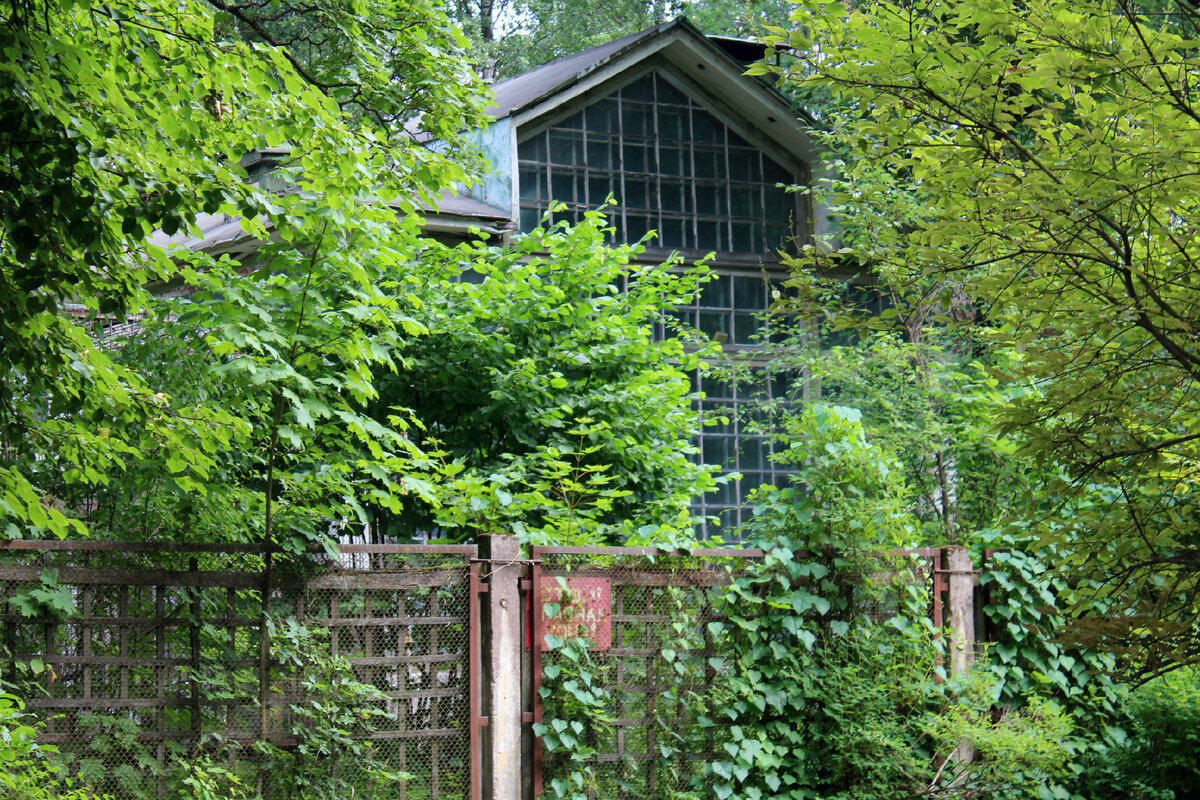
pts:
pixel 27 771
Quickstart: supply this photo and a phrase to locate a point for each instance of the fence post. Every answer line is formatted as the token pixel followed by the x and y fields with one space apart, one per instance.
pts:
pixel 961 616
pixel 961 621
pixel 504 722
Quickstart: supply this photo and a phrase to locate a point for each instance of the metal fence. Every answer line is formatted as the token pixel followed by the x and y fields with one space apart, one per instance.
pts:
pixel 362 674
pixel 291 676
pixel 650 621
pixel 647 617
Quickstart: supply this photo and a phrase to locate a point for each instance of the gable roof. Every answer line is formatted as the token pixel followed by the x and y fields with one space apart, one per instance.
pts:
pixel 716 64
pixel 518 93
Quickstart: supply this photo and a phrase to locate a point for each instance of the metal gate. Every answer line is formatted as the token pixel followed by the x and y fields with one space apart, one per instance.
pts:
pixel 141 660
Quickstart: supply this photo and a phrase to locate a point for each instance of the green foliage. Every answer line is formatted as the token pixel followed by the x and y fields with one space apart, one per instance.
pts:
pixel 329 717
pixel 556 413
pixel 331 759
pixel 581 707
pixel 1160 758
pixel 1026 203
pixel 49 601
pixel 848 493
pixel 132 117
pixel 931 408
pixel 27 769
pixel 585 693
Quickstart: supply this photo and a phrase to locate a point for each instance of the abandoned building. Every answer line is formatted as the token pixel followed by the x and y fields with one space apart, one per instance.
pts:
pixel 667 123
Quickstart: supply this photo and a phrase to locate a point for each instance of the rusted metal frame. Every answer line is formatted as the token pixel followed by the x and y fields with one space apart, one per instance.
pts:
pixel 160 684
pixel 177 547
pixel 651 697
pixel 402 708
pixel 539 551
pixel 194 646
pixel 264 668
pixel 475 680
pixel 535 603
pixel 650 652
pixel 616 652
pixel 85 606
pixel 434 748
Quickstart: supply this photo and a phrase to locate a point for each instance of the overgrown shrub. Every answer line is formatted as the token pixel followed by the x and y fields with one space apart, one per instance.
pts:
pixel 27 769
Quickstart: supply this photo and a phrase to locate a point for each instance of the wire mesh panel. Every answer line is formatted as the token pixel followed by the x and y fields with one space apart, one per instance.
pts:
pixel 281 676
pixel 625 639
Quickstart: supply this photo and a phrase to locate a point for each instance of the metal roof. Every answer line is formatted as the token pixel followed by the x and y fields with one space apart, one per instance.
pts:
pixel 525 89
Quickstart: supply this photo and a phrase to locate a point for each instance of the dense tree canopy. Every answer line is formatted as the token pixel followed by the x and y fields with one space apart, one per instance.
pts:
pixel 1052 149
pixel 250 409
pixel 122 118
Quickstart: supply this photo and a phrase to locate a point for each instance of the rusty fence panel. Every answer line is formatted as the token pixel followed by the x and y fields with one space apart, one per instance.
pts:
pixel 643 611
pixel 646 615
pixel 164 658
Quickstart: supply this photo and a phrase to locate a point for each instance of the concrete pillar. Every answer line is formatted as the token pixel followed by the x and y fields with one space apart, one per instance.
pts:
pixel 961 608
pixel 961 622
pixel 504 722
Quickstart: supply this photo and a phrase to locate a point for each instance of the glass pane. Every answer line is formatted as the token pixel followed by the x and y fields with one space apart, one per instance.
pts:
pixel 671 124
pixel 603 152
pixel 705 128
pixel 602 116
pixel 715 387
pixel 708 235
pixel 750 293
pixel 745 237
pixel 752 454
pixel 669 94
pixel 636 227
pixel 718 450
pixel 676 196
pixel 562 186
pixel 710 199
pixel 639 193
pixel 575 122
pixel 717 293
pixel 641 89
pixel 599 188
pixel 745 328
pixel 635 157
pixel 722 495
pixel 530 218
pixel 671 161
pixel 566 147
pixel 744 201
pixel 785 385
pixel 709 163
pixel 533 149
pixel 779 203
pixel 716 324
pixel 777 236
pixel 674 233
pixel 637 119
pixel 773 172
pixel 745 164
pixel 530 186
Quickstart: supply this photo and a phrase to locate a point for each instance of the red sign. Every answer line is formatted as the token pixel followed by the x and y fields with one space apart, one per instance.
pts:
pixel 573 607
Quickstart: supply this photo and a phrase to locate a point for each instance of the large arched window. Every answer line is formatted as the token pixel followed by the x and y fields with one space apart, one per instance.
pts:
pixel 672 165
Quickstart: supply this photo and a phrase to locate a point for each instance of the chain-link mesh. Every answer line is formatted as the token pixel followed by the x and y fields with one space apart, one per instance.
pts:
pixel 149 669
pixel 654 665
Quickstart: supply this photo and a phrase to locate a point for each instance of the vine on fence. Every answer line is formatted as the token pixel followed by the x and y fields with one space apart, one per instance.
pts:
pixel 821 678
